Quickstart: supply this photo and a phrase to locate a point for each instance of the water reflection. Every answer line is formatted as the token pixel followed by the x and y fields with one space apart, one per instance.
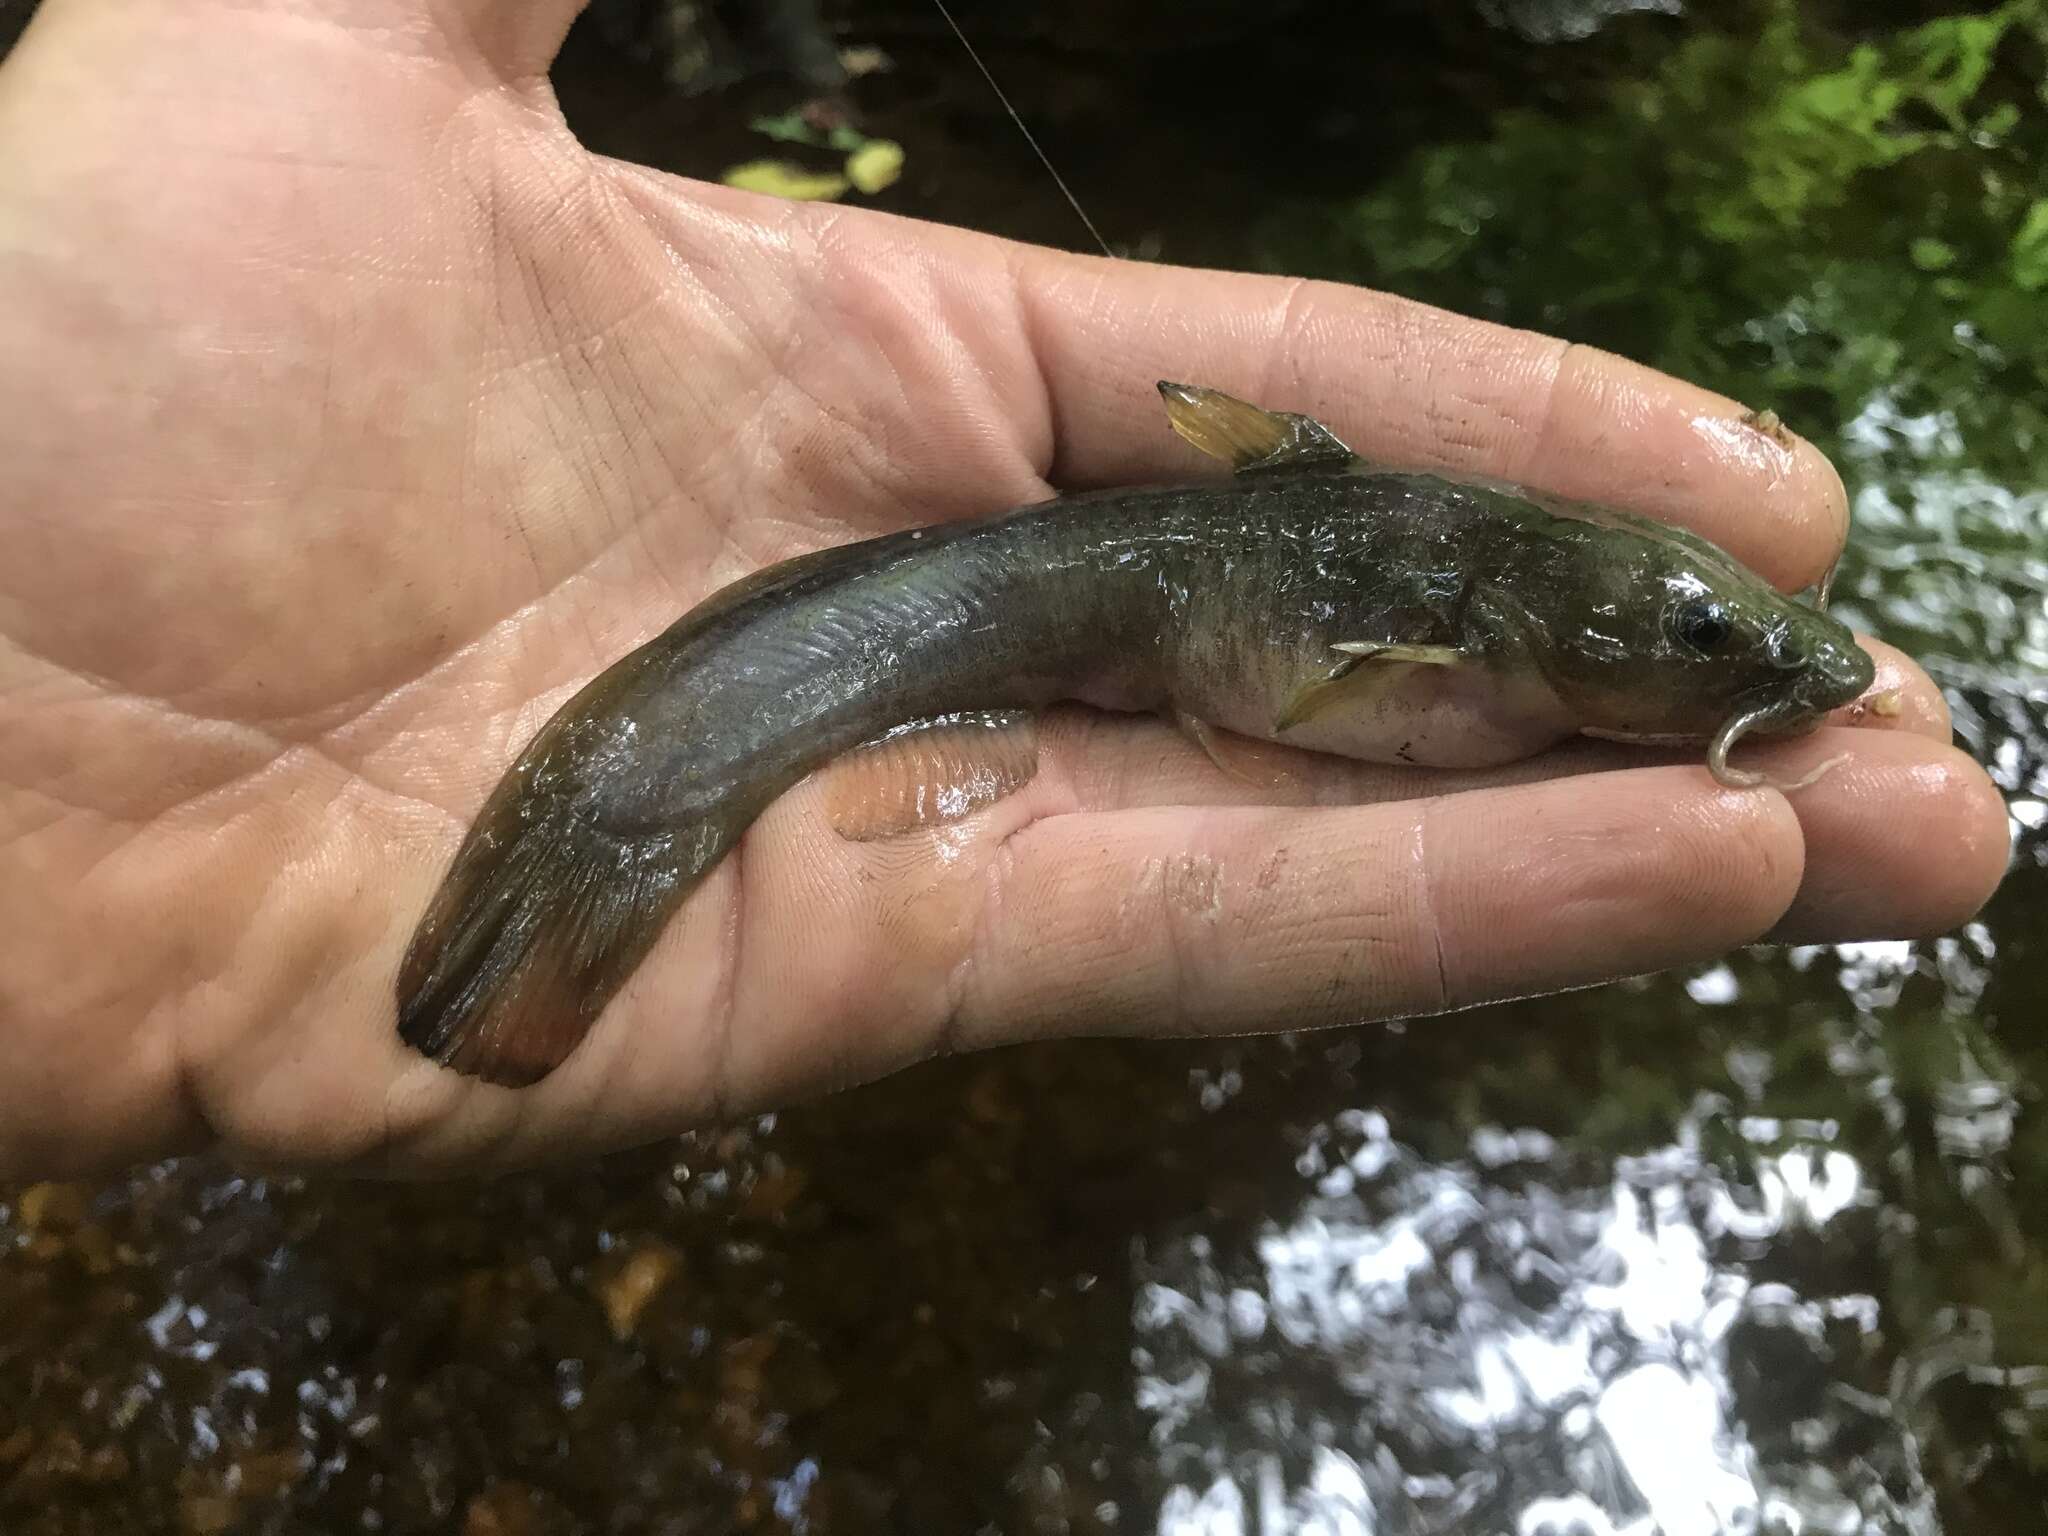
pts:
pixel 1498 1343
pixel 1556 21
pixel 1946 561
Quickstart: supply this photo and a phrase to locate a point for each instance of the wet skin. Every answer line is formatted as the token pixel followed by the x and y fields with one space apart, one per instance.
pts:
pixel 424 331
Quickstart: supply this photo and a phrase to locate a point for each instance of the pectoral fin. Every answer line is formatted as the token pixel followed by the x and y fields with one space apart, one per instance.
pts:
pixel 1231 753
pixel 928 774
pixel 1365 669
pixel 1421 655
pixel 1248 437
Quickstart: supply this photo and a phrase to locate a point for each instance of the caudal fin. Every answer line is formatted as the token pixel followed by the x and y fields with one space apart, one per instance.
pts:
pixel 540 920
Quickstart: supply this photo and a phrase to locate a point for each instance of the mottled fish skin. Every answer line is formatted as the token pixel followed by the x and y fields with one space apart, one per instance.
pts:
pixel 1388 617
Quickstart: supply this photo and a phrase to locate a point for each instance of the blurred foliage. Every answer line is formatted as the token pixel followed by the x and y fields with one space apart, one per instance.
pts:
pixel 870 165
pixel 1783 216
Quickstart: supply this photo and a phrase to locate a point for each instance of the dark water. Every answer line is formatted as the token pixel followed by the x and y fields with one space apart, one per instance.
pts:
pixel 1760 1248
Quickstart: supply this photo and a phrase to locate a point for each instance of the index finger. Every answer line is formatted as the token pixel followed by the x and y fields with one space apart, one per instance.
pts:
pixel 1416 387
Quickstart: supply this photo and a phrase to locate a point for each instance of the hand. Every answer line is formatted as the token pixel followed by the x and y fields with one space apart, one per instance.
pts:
pixel 352 415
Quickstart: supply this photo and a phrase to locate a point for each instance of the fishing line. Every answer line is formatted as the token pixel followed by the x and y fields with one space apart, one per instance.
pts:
pixel 1043 159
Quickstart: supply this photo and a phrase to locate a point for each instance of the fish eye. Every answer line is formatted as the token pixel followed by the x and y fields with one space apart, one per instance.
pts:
pixel 1702 624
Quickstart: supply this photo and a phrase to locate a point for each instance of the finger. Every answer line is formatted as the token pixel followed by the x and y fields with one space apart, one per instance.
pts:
pixel 1164 921
pixel 1413 386
pixel 1061 384
pixel 1904 838
pixel 1172 919
pixel 862 957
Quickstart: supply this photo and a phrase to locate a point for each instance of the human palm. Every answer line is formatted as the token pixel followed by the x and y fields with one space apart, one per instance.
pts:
pixel 352 415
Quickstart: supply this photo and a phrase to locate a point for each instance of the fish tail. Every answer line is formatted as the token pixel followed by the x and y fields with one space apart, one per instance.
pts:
pixel 539 921
pixel 629 795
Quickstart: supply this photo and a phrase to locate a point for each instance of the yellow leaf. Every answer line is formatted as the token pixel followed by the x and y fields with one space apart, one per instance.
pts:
pixel 781 178
pixel 875 164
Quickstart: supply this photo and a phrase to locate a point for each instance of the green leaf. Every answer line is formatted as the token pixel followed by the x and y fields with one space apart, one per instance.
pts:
pixel 1931 255
pixel 2029 261
pixel 789 128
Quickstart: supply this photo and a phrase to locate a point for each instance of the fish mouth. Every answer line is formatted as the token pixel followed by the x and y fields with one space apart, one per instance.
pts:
pixel 1835 674
pixel 1838 672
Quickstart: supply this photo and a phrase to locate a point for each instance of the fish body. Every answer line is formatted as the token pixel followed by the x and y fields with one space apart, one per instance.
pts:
pixel 1312 600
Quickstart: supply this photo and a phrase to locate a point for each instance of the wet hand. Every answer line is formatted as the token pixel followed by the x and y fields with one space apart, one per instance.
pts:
pixel 353 415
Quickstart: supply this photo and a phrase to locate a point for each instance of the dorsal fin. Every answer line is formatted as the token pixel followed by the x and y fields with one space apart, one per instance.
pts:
pixel 1248 437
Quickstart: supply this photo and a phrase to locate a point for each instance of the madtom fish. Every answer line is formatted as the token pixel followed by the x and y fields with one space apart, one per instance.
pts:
pixel 1312 600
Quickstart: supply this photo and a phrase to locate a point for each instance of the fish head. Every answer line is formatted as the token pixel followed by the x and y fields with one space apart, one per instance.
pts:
pixel 1653 633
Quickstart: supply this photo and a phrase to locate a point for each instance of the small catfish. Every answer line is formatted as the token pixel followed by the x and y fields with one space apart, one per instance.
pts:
pixel 1311 600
